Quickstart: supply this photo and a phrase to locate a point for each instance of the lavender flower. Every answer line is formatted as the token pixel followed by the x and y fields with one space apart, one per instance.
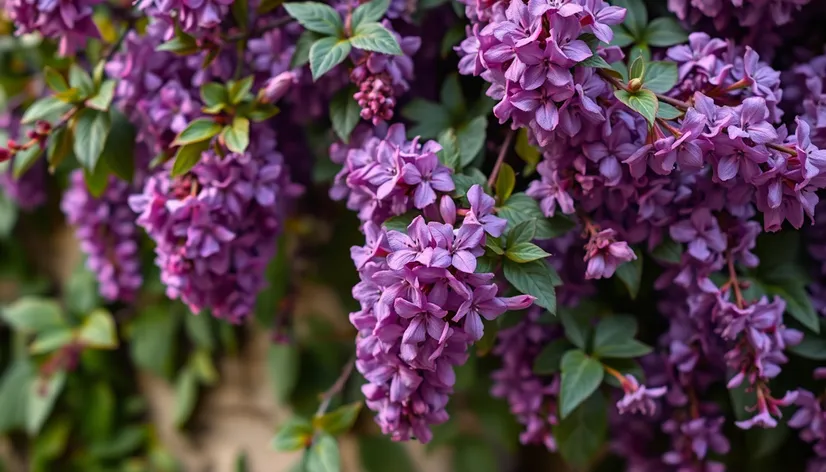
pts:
pixel 69 21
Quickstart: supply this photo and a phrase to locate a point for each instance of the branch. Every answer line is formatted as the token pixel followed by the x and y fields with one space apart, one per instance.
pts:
pixel 501 158
pixel 328 396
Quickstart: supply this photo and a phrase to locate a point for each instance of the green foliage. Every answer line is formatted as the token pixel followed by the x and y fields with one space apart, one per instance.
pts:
pixel 327 53
pixel 316 17
pixel 549 360
pixel 581 376
pixel 91 127
pixel 505 182
pixel 295 434
pixel 581 434
pixel 526 152
pixel 323 455
pixel 369 12
pixel 642 101
pixel 520 207
pixel 375 37
pixel 376 452
pixel 630 273
pixel 283 362
pixel 338 421
pixel 345 111
pixel 535 278
pixel 614 338
pixel 660 76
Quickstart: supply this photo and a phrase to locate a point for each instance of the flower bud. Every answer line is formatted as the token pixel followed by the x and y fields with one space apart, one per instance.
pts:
pixel 276 87
pixel 634 84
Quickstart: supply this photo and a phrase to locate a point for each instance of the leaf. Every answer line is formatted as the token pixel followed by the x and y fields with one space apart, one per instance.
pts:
pixel 125 442
pixel 637 69
pixel 668 251
pixel 42 396
pixel 51 340
pixel 327 53
pixel 187 156
pixel 505 182
pixel 345 112
pixel 377 452
pixel 548 360
pixel 471 138
pixel 636 16
pixel 595 61
pixel 642 101
pixel 628 349
pixel 369 12
pixel 152 339
pixel 473 454
pixel 90 131
pixel 668 112
pixel 452 37
pixel 523 232
pixel 60 145
pixel 580 436
pixel 182 44
pixel 811 347
pixel 97 181
pixel 640 50
pixel 200 363
pixel 798 303
pixel 577 327
pixel 536 279
pixel 283 362
pixel 213 95
pixel 25 159
pixel 14 394
pixel 622 37
pixel 615 329
pixel 432 119
pixel 665 31
pixel 186 396
pixel 375 37
pixel 239 90
pixel 525 252
pixel 81 80
pixel 240 13
pixel 316 17
pixel 401 222
pixel 33 315
pixel 451 96
pixel 449 154
pixel 338 421
pixel 323 455
pixel 237 136
pixel 98 330
pixel 467 180
pixel 199 130
pixel 526 152
pixel 103 99
pixel 520 207
pixel 119 150
pixel 55 80
pixel 630 273
pixel 45 108
pixel 301 55
pixel 199 329
pixel 295 434
pixel 581 376
pixel 8 215
pixel 660 76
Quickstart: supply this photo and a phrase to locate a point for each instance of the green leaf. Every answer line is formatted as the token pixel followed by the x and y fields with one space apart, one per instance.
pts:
pixel 305 42
pixel 119 150
pixel 369 12
pixel 283 362
pixel 548 360
pixel 267 6
pixel 473 454
pixel 262 112
pixel 581 376
pixel 630 273
pixel 660 76
pixel 316 17
pixel 668 112
pixel 580 436
pixel 42 396
pixel 637 69
pixel 535 278
pixel 345 112
pixel 338 421
pixel 798 303
pixel 622 37
pixel 199 130
pixel 237 136
pixel 55 80
pixel 98 330
pixel 471 139
pixel 60 145
pixel 525 252
pixel 295 434
pixel 14 394
pixel 376 452
pixel 643 102
pixel 811 347
pixel 505 182
pixel 327 53
pixel 91 129
pixel 451 96
pixel 595 61
pixel 239 90
pixel 668 251
pixel 401 222
pixel 103 99
pixel 628 349
pixel 199 329
pixel 615 329
pixel 81 80
pixel 182 44
pixel 467 180
pixel 432 119
pixel 577 327
pixel 152 338
pixel 636 17
pixel 214 96
pixel 25 159
pixel 451 39
pixel 200 363
pixel 240 13
pixel 96 181
pixel 375 37
pixel 526 152
pixel 186 396
pixel 665 31
pixel 8 216
pixel 44 109
pixel 51 340
pixel 323 455
pixel 640 50
pixel 33 315
pixel 187 156
pixel 125 442
pixel 449 154
pixel 520 207
pixel 523 232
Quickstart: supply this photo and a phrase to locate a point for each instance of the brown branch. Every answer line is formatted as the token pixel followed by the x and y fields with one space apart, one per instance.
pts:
pixel 336 388
pixel 503 151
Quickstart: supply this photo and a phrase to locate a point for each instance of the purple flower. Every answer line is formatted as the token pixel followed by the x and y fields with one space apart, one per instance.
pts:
pixel 481 212
pixel 752 122
pixel 604 254
pixel 702 233
pixel 638 398
pixel 550 191
pixel 427 176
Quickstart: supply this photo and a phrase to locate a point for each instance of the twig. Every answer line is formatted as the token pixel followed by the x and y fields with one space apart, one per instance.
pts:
pixel 327 396
pixel 501 158
pixel 663 98
pixel 130 23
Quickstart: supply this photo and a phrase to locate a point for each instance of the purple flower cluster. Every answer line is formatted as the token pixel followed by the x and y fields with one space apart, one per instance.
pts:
pixel 380 78
pixel 215 227
pixel 204 15
pixel 810 419
pixel 804 88
pixel 386 177
pixel 422 305
pixel 755 14
pixel 105 227
pixel 69 21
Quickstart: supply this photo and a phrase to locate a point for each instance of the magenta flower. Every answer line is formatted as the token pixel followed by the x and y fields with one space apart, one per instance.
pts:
pixel 638 398
pixel 427 176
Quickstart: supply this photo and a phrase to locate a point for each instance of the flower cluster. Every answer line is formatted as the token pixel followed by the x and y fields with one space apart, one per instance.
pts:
pixel 754 14
pixel 68 21
pixel 422 305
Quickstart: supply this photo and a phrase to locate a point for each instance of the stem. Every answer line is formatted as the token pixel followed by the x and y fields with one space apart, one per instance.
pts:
pixel 129 24
pixel 616 374
pixel 327 396
pixel 501 158
pixel 663 98
pixel 778 147
pixel 735 284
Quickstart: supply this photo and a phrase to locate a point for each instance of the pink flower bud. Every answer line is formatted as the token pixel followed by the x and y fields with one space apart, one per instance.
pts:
pixel 277 87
